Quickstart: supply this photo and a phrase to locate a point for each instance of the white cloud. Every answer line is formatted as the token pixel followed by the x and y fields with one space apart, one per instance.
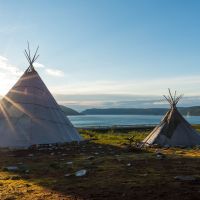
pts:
pixel 189 86
pixel 3 59
pixel 82 102
pixel 128 93
pixel 54 72
pixel 8 75
pixel 38 65
pixel 49 71
pixel 161 102
pixel 6 67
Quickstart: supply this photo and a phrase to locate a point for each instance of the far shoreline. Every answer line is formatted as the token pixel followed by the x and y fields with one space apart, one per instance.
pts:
pixel 118 128
pixel 124 128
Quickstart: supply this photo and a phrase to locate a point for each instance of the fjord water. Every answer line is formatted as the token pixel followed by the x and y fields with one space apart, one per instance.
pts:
pixel 83 121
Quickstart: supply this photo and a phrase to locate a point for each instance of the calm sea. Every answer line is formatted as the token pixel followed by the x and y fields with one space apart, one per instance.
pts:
pixel 82 121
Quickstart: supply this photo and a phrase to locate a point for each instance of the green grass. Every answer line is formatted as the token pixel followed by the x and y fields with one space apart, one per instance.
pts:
pixel 112 137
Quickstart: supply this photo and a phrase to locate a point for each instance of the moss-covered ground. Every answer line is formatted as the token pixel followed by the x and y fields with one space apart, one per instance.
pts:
pixel 114 171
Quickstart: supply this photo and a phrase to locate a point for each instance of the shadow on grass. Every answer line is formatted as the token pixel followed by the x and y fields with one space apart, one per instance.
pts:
pixel 112 173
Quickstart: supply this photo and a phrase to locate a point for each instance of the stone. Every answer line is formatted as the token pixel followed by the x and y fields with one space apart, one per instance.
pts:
pixel 144 175
pixel 128 165
pixel 67 175
pixel 69 163
pixel 12 168
pixel 80 173
pixel 90 158
pixel 185 178
pixel 160 156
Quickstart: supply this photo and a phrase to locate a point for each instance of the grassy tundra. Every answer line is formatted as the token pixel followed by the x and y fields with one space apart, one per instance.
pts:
pixel 114 170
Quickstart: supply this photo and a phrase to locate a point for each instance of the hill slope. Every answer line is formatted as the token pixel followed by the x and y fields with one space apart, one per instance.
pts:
pixel 69 111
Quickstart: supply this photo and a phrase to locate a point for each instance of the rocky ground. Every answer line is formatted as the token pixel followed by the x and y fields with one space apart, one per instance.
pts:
pixel 103 168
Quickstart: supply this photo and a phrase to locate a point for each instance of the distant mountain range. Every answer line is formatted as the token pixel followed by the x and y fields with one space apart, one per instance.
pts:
pixel 192 111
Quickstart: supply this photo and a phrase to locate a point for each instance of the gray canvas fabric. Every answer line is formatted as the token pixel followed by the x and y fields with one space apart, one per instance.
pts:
pixel 30 115
pixel 173 130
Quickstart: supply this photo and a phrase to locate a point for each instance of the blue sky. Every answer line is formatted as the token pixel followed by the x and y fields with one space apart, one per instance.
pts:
pixel 105 53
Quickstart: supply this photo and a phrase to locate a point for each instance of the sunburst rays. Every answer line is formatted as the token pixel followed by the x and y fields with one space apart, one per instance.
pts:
pixel 7 118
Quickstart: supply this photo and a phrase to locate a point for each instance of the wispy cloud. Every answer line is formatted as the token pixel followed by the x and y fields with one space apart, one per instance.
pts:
pixel 38 65
pixel 6 67
pixel 54 72
pixel 11 28
pixel 104 93
pixel 8 75
pixel 49 71
pixel 128 94
pixel 189 85
pixel 81 102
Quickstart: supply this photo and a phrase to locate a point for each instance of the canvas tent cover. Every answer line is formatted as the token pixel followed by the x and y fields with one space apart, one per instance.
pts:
pixel 173 130
pixel 30 115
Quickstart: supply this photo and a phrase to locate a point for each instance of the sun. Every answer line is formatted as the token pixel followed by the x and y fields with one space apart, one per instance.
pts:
pixel 5 85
